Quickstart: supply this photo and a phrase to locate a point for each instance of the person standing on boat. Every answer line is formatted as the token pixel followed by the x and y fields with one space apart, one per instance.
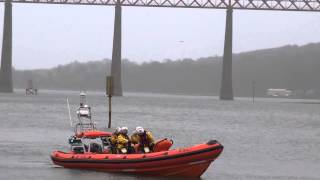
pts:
pixel 143 140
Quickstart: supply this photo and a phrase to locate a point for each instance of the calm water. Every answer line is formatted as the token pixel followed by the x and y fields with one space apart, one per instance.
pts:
pixel 271 139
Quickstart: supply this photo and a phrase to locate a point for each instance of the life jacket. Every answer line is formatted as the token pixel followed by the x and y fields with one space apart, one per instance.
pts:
pixel 123 141
pixel 128 138
pixel 143 139
pixel 114 143
pixel 113 139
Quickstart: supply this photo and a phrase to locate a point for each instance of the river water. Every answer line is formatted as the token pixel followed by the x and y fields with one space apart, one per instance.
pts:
pixel 270 139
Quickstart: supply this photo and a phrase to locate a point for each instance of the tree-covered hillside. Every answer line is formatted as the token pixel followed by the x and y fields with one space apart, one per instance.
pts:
pixel 290 67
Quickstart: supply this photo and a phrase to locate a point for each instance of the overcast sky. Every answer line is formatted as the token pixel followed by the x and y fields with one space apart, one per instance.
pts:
pixel 47 35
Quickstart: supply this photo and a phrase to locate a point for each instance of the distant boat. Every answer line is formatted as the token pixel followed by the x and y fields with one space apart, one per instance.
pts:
pixel 279 92
pixel 31 90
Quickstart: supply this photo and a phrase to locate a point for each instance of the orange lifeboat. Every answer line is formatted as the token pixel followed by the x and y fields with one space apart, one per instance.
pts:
pixel 191 161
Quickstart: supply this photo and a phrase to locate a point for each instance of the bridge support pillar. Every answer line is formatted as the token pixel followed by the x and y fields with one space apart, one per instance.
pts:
pixel 226 92
pixel 116 52
pixel 6 55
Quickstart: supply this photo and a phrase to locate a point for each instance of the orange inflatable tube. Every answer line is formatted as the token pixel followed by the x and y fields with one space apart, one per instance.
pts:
pixel 190 161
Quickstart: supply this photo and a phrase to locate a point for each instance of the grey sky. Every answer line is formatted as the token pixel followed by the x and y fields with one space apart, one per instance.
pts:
pixel 47 35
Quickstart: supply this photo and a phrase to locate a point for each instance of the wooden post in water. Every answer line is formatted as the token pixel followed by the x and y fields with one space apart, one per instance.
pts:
pixel 109 91
pixel 253 90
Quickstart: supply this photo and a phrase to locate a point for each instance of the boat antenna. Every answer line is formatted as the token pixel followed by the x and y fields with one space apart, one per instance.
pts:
pixel 70 119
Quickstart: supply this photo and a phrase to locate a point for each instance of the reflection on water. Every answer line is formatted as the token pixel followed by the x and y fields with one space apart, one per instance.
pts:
pixel 271 139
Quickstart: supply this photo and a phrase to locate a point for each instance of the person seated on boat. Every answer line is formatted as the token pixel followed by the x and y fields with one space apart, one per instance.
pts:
pixel 123 141
pixel 143 140
pixel 114 140
pixel 124 134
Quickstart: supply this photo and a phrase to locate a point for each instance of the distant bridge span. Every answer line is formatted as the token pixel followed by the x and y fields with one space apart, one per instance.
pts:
pixel 226 90
pixel 281 5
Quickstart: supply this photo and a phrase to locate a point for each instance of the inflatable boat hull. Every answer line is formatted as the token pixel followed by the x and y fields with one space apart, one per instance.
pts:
pixel 191 161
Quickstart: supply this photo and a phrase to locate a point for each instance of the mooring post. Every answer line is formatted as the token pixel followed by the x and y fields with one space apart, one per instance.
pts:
pixel 116 52
pixel 226 92
pixel 109 92
pixel 253 90
pixel 6 55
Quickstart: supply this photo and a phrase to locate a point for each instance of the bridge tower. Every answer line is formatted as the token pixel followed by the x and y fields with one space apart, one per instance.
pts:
pixel 226 91
pixel 6 55
pixel 116 52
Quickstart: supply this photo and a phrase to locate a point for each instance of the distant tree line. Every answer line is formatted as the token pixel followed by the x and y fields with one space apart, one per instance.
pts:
pixel 291 67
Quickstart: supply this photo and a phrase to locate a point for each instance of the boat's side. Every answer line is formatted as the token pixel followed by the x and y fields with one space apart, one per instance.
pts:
pixel 191 161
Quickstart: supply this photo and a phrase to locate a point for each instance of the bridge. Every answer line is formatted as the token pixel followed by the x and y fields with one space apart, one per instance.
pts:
pixel 226 90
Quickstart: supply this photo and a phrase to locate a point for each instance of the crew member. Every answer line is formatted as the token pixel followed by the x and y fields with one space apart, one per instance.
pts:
pixel 142 139
pixel 114 140
pixel 123 141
